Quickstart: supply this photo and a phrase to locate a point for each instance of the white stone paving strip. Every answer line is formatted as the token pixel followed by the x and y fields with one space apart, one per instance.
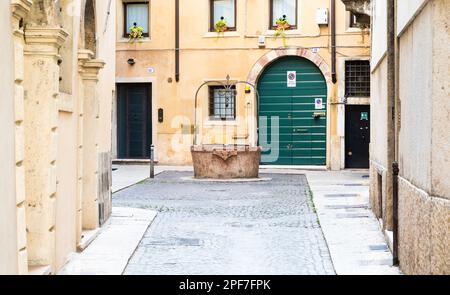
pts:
pixel 110 252
pixel 125 176
pixel 356 243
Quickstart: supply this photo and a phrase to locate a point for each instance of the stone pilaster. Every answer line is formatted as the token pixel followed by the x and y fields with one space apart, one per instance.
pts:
pixel 41 130
pixel 20 9
pixel 89 122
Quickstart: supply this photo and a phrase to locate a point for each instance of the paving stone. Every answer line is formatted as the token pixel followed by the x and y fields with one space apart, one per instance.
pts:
pixel 214 228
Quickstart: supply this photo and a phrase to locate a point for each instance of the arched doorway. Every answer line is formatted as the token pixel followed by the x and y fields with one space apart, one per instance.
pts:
pixel 293 112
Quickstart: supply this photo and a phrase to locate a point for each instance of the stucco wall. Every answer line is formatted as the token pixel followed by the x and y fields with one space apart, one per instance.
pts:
pixel 378 122
pixel 415 93
pixel 106 50
pixel 380 181
pixel 406 12
pixel 66 205
pixel 424 190
pixel 8 211
pixel 379 31
pixel 424 94
pixel 65 233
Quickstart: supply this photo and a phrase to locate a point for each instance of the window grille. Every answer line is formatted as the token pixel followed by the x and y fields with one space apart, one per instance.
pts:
pixel 357 78
pixel 222 103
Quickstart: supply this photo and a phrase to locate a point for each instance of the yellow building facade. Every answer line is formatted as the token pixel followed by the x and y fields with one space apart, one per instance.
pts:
pixel 58 75
pixel 180 49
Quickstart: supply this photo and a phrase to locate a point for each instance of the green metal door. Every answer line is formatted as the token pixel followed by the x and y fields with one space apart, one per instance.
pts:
pixel 292 113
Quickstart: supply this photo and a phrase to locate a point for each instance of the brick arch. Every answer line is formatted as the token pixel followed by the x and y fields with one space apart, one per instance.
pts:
pixel 273 55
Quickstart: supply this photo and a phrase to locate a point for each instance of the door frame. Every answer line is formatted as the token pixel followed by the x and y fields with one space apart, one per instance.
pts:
pixel 154 111
pixel 328 108
pixel 265 60
pixel 342 102
pixel 345 129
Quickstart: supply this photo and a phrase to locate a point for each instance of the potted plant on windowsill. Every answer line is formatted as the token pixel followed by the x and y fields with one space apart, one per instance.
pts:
pixel 221 26
pixel 281 25
pixel 136 33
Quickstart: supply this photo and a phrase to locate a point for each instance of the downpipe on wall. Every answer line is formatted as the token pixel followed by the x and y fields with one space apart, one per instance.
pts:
pixel 333 41
pixel 177 40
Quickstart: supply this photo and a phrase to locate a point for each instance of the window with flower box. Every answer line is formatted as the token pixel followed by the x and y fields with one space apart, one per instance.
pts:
pixel 136 14
pixel 283 9
pixel 225 11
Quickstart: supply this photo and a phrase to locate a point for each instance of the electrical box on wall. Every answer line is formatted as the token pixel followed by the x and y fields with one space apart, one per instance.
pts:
pixel 322 16
pixel 262 41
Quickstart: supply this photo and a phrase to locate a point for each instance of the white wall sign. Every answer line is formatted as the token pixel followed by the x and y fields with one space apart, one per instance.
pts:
pixel 292 79
pixel 319 104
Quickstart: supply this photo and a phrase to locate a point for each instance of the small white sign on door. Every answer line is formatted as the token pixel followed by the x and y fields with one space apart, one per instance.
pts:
pixel 319 103
pixel 292 79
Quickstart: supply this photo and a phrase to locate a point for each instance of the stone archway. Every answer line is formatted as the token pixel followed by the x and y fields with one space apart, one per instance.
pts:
pixel 259 67
pixel 273 55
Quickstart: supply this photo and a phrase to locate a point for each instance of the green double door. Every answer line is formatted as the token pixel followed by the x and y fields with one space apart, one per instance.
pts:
pixel 292 113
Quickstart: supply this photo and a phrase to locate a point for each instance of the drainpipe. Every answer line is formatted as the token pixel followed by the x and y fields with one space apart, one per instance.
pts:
pixel 391 91
pixel 177 40
pixel 333 41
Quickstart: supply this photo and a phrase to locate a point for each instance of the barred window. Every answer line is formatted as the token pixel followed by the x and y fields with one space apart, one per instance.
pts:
pixel 222 103
pixel 357 78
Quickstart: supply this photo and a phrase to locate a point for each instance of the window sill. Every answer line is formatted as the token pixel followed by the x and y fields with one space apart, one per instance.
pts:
pixel 353 30
pixel 358 100
pixel 213 123
pixel 221 35
pixel 126 40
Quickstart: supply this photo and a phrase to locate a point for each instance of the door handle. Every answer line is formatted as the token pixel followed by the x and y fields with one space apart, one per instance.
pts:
pixel 301 130
pixel 319 114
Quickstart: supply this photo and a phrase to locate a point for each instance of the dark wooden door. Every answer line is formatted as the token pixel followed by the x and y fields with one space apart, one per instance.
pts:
pixel 357 136
pixel 134 121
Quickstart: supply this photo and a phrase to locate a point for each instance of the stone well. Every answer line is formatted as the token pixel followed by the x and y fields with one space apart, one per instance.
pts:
pixel 225 161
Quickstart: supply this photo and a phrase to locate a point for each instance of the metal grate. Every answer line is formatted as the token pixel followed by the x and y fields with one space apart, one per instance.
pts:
pixel 222 103
pixel 357 78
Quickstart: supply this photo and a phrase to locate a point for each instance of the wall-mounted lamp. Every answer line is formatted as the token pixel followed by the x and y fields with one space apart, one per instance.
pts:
pixel 131 62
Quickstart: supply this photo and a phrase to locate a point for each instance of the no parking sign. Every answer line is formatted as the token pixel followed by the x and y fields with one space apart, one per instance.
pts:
pixel 291 79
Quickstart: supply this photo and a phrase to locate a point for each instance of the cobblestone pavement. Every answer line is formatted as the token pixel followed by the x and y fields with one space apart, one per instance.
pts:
pixel 209 228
